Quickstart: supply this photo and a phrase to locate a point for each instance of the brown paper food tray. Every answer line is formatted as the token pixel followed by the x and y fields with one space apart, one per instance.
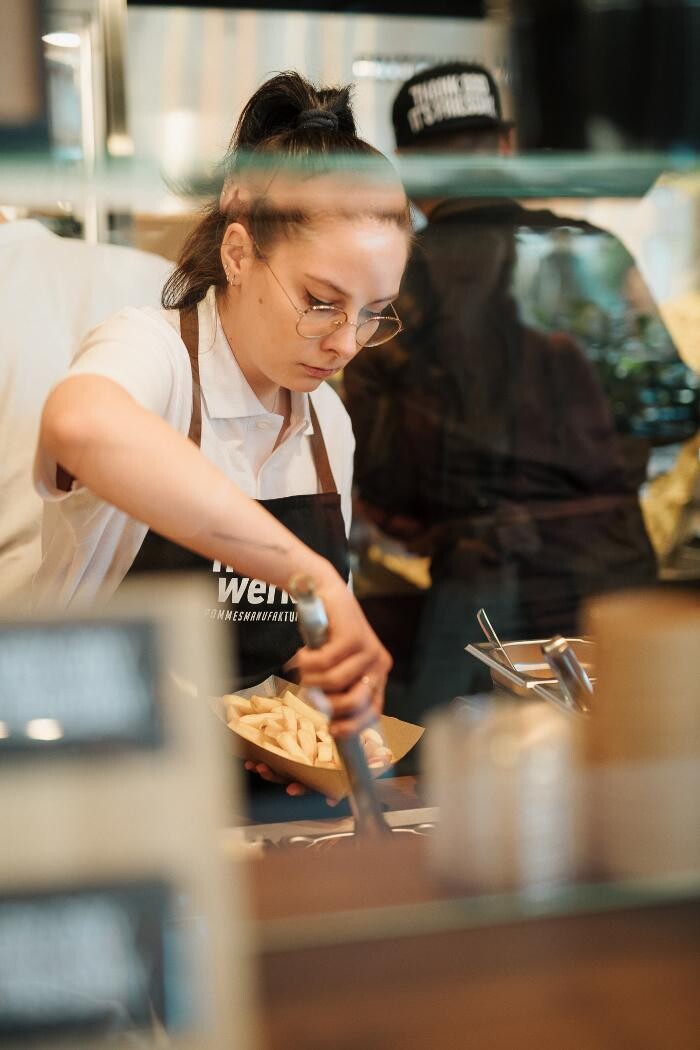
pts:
pixel 399 736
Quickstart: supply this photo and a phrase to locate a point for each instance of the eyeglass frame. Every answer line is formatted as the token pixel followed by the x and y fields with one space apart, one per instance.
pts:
pixel 322 307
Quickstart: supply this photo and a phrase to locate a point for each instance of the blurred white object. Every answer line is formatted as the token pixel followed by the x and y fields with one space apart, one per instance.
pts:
pixel 502 773
pixel 53 290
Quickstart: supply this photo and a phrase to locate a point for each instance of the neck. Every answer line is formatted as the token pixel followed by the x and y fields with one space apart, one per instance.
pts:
pixel 267 392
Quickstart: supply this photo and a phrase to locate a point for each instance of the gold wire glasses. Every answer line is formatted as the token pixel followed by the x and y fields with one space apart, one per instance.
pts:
pixel 316 322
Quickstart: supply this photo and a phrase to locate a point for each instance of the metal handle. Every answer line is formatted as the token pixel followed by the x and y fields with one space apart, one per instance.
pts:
pixel 313 621
pixel 313 627
pixel 575 683
pixel 366 807
pixel 487 627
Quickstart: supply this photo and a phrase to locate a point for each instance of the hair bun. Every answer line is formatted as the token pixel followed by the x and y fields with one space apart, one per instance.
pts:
pixel 318 118
pixel 286 103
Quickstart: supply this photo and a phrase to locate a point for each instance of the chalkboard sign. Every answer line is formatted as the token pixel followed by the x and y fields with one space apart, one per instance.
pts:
pixel 92 961
pixel 78 686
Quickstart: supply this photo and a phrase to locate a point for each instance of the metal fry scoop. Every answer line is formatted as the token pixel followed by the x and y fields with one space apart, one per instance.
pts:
pixel 313 626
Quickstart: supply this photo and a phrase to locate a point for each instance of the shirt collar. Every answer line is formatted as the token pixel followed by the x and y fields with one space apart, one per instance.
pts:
pixel 225 390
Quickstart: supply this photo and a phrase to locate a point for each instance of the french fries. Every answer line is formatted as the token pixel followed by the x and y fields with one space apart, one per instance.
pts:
pixel 289 727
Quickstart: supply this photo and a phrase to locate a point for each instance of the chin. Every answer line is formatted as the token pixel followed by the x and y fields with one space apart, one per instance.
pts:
pixel 305 385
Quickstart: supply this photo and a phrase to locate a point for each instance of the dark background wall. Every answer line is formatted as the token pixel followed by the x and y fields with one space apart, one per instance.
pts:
pixel 596 75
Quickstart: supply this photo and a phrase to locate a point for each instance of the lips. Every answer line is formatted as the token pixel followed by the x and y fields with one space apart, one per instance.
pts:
pixel 319 373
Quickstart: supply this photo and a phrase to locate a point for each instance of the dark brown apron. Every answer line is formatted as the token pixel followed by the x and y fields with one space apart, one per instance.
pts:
pixel 262 620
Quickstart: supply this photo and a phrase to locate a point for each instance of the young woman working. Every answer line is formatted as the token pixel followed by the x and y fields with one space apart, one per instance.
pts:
pixel 203 435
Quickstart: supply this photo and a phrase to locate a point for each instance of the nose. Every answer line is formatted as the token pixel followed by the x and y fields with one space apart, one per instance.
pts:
pixel 342 343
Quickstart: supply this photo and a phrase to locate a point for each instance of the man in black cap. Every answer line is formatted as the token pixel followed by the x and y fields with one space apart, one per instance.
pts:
pixel 451 107
pixel 507 450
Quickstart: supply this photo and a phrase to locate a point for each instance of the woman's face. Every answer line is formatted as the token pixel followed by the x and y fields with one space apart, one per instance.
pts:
pixel 352 264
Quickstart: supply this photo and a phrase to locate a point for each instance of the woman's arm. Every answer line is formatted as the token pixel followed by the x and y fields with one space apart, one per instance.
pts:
pixel 134 460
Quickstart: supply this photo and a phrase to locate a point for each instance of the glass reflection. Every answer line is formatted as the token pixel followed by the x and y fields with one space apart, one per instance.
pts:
pixel 504 439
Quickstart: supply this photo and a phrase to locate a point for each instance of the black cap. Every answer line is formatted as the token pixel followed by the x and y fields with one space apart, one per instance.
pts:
pixel 459 96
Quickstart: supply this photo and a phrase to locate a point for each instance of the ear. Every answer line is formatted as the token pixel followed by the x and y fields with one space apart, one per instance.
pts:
pixel 506 142
pixel 236 252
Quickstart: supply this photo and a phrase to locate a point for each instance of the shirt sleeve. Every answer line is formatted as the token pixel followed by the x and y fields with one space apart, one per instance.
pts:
pixel 143 353
pixel 136 349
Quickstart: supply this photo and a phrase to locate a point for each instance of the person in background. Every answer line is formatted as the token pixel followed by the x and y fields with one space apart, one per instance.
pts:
pixel 203 437
pixel 485 438
pixel 53 291
pixel 560 286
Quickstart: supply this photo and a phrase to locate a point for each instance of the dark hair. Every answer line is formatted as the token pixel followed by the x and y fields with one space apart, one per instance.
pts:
pixel 286 121
pixel 463 140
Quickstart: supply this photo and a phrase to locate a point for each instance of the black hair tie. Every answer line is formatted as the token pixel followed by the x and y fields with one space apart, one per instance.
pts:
pixel 318 118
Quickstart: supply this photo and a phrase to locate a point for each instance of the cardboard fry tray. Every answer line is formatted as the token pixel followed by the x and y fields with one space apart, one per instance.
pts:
pixel 399 736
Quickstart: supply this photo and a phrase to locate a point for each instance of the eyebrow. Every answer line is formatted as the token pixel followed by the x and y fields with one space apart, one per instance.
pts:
pixel 344 294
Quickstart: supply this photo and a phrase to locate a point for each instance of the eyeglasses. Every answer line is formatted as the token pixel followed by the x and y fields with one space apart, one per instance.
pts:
pixel 316 322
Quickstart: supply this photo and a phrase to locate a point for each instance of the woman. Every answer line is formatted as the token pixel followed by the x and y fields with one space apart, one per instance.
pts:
pixel 286 277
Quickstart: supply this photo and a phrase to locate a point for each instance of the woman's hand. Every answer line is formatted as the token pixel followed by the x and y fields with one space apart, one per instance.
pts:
pixel 353 666
pixel 292 788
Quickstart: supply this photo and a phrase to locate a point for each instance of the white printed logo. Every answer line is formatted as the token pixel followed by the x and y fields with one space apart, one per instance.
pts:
pixel 234 590
pixel 455 95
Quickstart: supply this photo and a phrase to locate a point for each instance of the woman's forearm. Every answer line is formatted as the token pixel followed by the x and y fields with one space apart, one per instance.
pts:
pixel 134 460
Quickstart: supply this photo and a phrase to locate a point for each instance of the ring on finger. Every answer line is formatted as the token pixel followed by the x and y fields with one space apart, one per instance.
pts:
pixel 370 683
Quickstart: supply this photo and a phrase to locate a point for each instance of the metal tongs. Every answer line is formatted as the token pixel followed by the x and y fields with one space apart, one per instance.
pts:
pixel 313 626
pixel 491 636
pixel 575 685
pixel 573 680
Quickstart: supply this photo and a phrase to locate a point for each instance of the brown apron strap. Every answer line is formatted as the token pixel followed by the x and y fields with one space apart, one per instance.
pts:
pixel 318 451
pixel 189 333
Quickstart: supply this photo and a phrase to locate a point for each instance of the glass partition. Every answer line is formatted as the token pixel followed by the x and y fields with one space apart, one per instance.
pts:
pixel 527 444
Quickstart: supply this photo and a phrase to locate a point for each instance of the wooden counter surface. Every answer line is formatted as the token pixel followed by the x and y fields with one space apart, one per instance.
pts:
pixel 624 979
pixel 292 882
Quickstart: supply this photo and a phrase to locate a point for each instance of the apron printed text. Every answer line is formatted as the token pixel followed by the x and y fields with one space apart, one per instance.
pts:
pixel 237 589
pixel 250 615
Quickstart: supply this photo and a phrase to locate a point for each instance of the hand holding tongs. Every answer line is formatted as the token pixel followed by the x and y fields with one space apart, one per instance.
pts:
pixel 313 626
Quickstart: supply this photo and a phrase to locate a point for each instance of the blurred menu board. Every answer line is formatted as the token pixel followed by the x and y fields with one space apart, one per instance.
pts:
pixel 449 8
pixel 94 961
pixel 23 117
pixel 78 685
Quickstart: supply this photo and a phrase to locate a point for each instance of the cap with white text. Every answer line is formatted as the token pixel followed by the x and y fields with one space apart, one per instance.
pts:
pixel 459 96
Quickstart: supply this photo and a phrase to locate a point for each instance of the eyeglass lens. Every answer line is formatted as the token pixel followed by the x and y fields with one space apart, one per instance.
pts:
pixel 377 330
pixel 319 322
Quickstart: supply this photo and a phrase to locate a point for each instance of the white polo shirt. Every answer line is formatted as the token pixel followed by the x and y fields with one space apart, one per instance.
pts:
pixel 88 545
pixel 53 290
